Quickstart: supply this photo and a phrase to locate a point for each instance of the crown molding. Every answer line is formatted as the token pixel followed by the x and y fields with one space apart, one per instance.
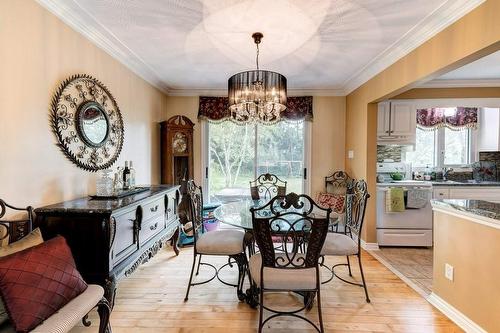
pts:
pixel 432 24
pixel 470 83
pixel 86 24
pixel 223 92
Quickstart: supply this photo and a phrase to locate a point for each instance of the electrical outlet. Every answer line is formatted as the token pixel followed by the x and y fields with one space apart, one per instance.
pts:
pixel 350 154
pixel 448 272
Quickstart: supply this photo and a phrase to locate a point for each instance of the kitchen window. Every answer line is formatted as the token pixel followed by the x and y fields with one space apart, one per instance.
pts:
pixel 444 137
pixel 442 148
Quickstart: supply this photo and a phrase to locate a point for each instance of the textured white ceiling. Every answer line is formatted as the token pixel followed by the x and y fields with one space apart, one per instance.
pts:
pixel 486 68
pixel 198 44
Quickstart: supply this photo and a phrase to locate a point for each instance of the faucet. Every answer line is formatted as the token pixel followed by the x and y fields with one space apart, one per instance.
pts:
pixel 446 172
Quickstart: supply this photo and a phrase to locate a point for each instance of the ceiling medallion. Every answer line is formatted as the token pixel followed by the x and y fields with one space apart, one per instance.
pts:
pixel 257 95
pixel 87 123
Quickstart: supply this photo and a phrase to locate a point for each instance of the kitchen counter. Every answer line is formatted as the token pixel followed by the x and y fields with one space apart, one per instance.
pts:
pixel 442 183
pixel 465 253
pixel 471 183
pixel 483 212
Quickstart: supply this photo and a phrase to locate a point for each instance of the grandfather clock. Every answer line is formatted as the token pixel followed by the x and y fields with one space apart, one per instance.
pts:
pixel 176 150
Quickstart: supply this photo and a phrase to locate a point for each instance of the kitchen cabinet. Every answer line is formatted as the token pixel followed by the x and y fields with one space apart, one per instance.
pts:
pixel 441 193
pixel 396 122
pixel 486 193
pixel 489 129
pixel 476 193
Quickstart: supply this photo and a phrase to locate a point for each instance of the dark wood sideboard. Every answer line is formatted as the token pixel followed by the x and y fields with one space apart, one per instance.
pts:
pixel 109 239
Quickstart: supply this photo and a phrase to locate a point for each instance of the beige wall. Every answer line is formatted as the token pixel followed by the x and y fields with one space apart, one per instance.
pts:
pixel 470 38
pixel 328 135
pixel 38 52
pixel 472 249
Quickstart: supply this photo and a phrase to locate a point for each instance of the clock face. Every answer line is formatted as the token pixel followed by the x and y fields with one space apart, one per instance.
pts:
pixel 179 143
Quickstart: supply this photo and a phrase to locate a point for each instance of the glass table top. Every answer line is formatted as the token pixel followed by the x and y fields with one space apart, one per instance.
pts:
pixel 238 214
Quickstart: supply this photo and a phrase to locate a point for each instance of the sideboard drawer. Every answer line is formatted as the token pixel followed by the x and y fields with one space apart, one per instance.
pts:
pixel 150 228
pixel 125 241
pixel 153 209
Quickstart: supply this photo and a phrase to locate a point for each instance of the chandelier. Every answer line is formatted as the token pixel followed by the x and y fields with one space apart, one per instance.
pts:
pixel 257 95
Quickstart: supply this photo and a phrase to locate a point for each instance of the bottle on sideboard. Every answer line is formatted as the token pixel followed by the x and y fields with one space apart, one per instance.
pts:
pixel 126 177
pixel 132 176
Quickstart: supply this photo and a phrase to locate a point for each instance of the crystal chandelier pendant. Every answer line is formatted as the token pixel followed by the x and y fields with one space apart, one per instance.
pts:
pixel 258 95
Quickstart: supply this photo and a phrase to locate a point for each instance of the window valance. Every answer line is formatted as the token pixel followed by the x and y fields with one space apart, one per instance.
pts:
pixel 453 118
pixel 216 109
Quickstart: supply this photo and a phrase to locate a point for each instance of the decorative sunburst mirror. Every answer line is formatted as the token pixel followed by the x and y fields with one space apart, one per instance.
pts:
pixel 87 122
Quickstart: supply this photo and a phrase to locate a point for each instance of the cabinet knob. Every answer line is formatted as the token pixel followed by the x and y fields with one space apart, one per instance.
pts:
pixel 153 227
pixel 154 209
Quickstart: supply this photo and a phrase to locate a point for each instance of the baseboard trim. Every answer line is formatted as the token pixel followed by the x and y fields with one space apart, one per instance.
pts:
pixel 369 246
pixel 455 315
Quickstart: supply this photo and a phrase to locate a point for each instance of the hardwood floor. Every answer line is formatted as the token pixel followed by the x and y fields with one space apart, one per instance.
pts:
pixel 151 300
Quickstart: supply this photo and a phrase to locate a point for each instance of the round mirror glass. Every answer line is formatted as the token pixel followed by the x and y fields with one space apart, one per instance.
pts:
pixel 93 124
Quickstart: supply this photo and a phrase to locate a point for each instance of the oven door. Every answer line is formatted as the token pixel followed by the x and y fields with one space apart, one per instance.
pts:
pixel 413 227
pixel 409 219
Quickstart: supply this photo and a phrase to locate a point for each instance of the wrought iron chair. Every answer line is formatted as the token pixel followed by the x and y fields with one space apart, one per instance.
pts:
pixel 338 183
pixel 295 268
pixel 227 242
pixel 349 244
pixel 12 230
pixel 267 186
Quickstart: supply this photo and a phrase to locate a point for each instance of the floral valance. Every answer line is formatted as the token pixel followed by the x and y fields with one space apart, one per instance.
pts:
pixel 216 109
pixel 453 118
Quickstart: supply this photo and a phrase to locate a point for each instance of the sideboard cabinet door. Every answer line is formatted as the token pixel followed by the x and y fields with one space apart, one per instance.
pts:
pixel 125 240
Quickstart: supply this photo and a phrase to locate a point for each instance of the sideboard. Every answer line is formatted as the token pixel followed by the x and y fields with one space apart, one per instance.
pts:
pixel 110 238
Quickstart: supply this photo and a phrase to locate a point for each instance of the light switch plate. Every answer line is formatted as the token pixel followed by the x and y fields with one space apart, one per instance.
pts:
pixel 350 154
pixel 448 271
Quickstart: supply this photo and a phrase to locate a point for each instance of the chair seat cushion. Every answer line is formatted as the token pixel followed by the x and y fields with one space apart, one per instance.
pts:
pixel 38 281
pixel 283 278
pixel 221 242
pixel 339 245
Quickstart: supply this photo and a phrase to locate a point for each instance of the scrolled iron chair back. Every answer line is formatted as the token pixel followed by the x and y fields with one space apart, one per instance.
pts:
pixel 14 229
pixel 292 216
pixel 356 200
pixel 195 198
pixel 338 182
pixel 267 186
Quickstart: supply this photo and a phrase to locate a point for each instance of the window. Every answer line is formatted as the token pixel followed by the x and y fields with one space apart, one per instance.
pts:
pixel 237 154
pixel 440 148
pixel 425 149
pixel 456 149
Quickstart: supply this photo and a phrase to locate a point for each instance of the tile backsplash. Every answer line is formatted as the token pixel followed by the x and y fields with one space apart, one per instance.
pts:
pixel 395 153
pixel 389 152
pixel 491 156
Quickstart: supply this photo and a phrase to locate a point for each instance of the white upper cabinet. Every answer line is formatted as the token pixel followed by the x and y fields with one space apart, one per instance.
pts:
pixel 489 129
pixel 383 119
pixel 403 118
pixel 396 122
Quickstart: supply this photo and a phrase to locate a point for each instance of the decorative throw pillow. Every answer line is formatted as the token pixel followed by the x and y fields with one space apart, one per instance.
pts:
pixel 334 201
pixel 30 240
pixel 37 282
